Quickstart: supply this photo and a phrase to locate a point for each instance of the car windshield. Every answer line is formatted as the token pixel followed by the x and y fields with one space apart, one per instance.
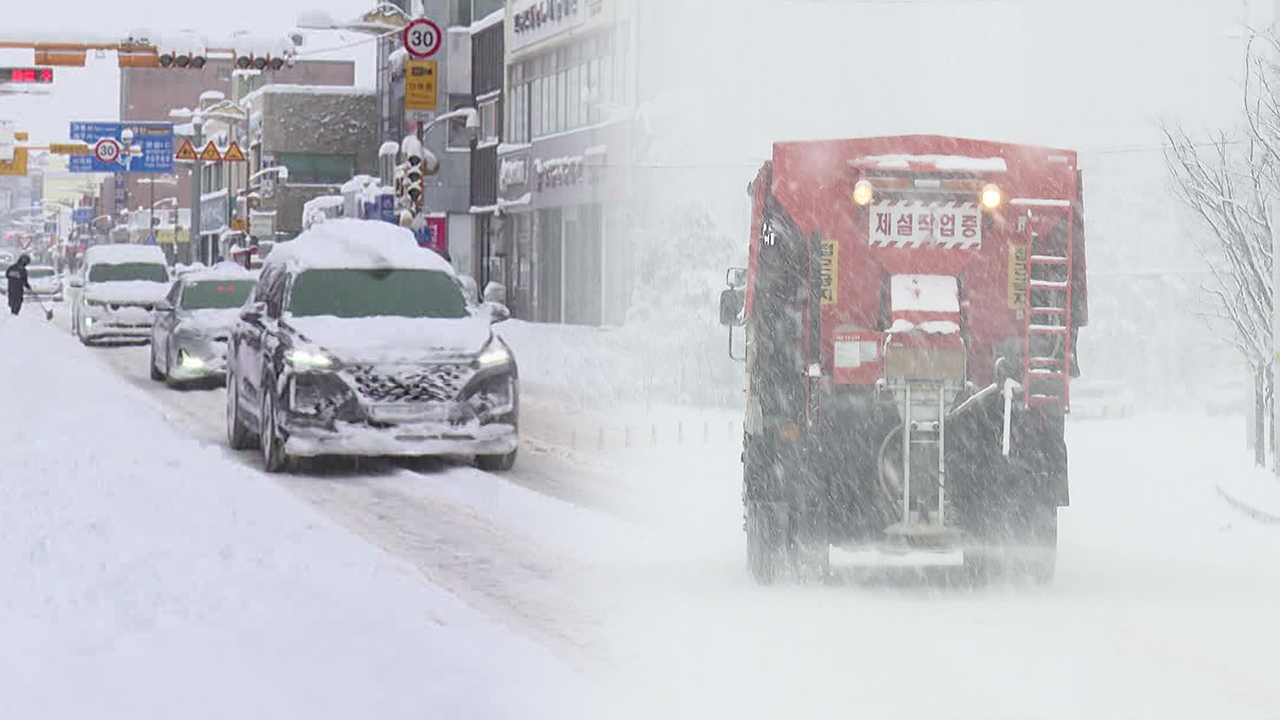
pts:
pixel 376 293
pixel 215 294
pixel 39 273
pixel 122 272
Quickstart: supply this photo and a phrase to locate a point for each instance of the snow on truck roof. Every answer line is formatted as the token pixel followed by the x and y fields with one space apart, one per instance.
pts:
pixel 955 163
pixel 356 244
pixel 125 253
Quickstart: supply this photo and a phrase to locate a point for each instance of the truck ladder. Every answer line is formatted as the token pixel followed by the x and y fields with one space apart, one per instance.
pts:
pixel 1048 317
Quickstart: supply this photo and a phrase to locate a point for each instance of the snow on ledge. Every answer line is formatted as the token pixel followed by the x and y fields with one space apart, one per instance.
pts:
pixel 349 90
pixel 487 21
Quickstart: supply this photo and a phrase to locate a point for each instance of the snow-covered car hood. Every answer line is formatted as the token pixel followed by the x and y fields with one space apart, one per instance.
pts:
pixel 208 321
pixel 395 339
pixel 126 291
pixel 46 284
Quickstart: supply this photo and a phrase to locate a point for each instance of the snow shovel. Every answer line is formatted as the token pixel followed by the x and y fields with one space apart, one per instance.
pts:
pixel 48 314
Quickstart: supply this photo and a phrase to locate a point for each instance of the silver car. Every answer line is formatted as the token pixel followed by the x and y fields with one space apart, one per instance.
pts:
pixel 189 334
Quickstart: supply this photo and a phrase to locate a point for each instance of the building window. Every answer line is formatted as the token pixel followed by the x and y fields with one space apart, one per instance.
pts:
pixel 458 136
pixel 317 169
pixel 489 121
pixel 565 89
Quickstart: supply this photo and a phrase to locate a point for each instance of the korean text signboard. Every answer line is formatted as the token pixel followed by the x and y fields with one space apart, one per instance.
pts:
pixel 913 223
pixel 420 89
pixel 150 150
pixel 830 272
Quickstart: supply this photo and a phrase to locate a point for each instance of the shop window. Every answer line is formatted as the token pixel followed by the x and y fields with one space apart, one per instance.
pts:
pixel 316 168
pixel 489 121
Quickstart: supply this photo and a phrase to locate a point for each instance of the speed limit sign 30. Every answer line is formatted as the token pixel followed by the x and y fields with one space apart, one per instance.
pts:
pixel 422 38
pixel 106 150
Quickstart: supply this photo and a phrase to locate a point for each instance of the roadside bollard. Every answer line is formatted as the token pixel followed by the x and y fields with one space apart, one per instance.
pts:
pixel 627 439
pixel 706 432
pixel 680 433
pixel 601 445
pixel 653 438
pixel 573 439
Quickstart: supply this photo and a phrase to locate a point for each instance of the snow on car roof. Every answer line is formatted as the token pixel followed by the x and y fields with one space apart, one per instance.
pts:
pixel 124 253
pixel 356 244
pixel 221 271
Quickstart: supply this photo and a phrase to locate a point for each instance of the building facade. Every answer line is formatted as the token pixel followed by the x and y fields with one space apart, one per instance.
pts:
pixel 323 135
pixel 149 94
pixel 564 166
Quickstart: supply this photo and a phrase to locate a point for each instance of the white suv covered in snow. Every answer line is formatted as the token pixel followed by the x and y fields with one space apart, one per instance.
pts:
pixel 119 290
pixel 357 341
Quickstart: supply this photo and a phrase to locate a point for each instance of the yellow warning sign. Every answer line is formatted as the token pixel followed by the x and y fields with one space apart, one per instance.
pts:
pixel 830 272
pixel 210 153
pixel 17 166
pixel 186 152
pixel 1018 277
pixel 420 81
pixel 233 153
pixel 22 136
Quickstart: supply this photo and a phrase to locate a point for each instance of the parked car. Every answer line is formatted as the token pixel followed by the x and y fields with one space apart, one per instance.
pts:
pixel 193 323
pixel 356 341
pixel 46 284
pixel 1101 399
pixel 119 289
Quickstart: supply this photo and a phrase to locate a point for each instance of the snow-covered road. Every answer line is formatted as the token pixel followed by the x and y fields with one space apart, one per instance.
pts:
pixel 1162 607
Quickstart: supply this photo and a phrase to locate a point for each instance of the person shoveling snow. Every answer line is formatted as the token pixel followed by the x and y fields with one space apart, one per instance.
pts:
pixel 18 282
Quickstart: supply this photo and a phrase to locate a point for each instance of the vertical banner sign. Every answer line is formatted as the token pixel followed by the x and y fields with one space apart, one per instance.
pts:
pixel 1017 277
pixel 830 272
pixel 420 88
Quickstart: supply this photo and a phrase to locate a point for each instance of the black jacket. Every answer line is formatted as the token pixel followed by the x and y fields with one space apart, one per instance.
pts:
pixel 17 277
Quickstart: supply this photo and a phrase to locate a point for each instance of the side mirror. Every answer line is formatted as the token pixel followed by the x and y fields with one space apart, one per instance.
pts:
pixel 736 278
pixel 164 306
pixel 497 311
pixel 77 282
pixel 732 303
pixel 253 312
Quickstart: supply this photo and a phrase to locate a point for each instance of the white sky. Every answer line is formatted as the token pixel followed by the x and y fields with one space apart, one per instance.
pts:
pixel 91 93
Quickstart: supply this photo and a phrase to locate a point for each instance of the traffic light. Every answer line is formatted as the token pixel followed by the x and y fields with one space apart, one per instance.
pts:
pixel 260 62
pixel 189 59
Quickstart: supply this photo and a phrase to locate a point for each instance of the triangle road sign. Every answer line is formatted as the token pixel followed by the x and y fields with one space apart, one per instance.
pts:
pixel 186 152
pixel 233 153
pixel 210 153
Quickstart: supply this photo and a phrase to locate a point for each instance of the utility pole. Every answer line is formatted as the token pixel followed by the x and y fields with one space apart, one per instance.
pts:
pixel 195 244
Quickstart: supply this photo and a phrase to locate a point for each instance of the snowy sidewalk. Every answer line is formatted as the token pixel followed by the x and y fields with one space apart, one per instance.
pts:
pixel 146 575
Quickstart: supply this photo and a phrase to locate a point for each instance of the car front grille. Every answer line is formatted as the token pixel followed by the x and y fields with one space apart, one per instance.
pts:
pixel 416 383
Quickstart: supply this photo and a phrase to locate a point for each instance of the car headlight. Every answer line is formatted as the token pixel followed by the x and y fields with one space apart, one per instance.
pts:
pixel 494 354
pixel 307 359
pixel 191 362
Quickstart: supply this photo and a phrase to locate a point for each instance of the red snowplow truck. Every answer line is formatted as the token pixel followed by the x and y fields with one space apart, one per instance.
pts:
pixel 911 309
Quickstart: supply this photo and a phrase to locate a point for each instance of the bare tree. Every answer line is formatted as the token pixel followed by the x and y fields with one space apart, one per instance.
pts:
pixel 1227 184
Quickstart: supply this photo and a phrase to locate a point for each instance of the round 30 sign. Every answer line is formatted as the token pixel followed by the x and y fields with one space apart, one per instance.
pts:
pixel 422 38
pixel 106 150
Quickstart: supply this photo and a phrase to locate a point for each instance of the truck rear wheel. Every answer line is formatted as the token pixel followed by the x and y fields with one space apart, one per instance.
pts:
pixel 766 543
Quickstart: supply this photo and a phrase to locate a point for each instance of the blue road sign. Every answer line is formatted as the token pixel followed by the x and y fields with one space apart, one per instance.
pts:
pixel 154 141
pixel 82 216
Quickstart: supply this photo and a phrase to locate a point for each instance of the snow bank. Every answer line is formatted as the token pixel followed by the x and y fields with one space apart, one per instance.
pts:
pixel 154 574
pixel 361 244
pixel 124 253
